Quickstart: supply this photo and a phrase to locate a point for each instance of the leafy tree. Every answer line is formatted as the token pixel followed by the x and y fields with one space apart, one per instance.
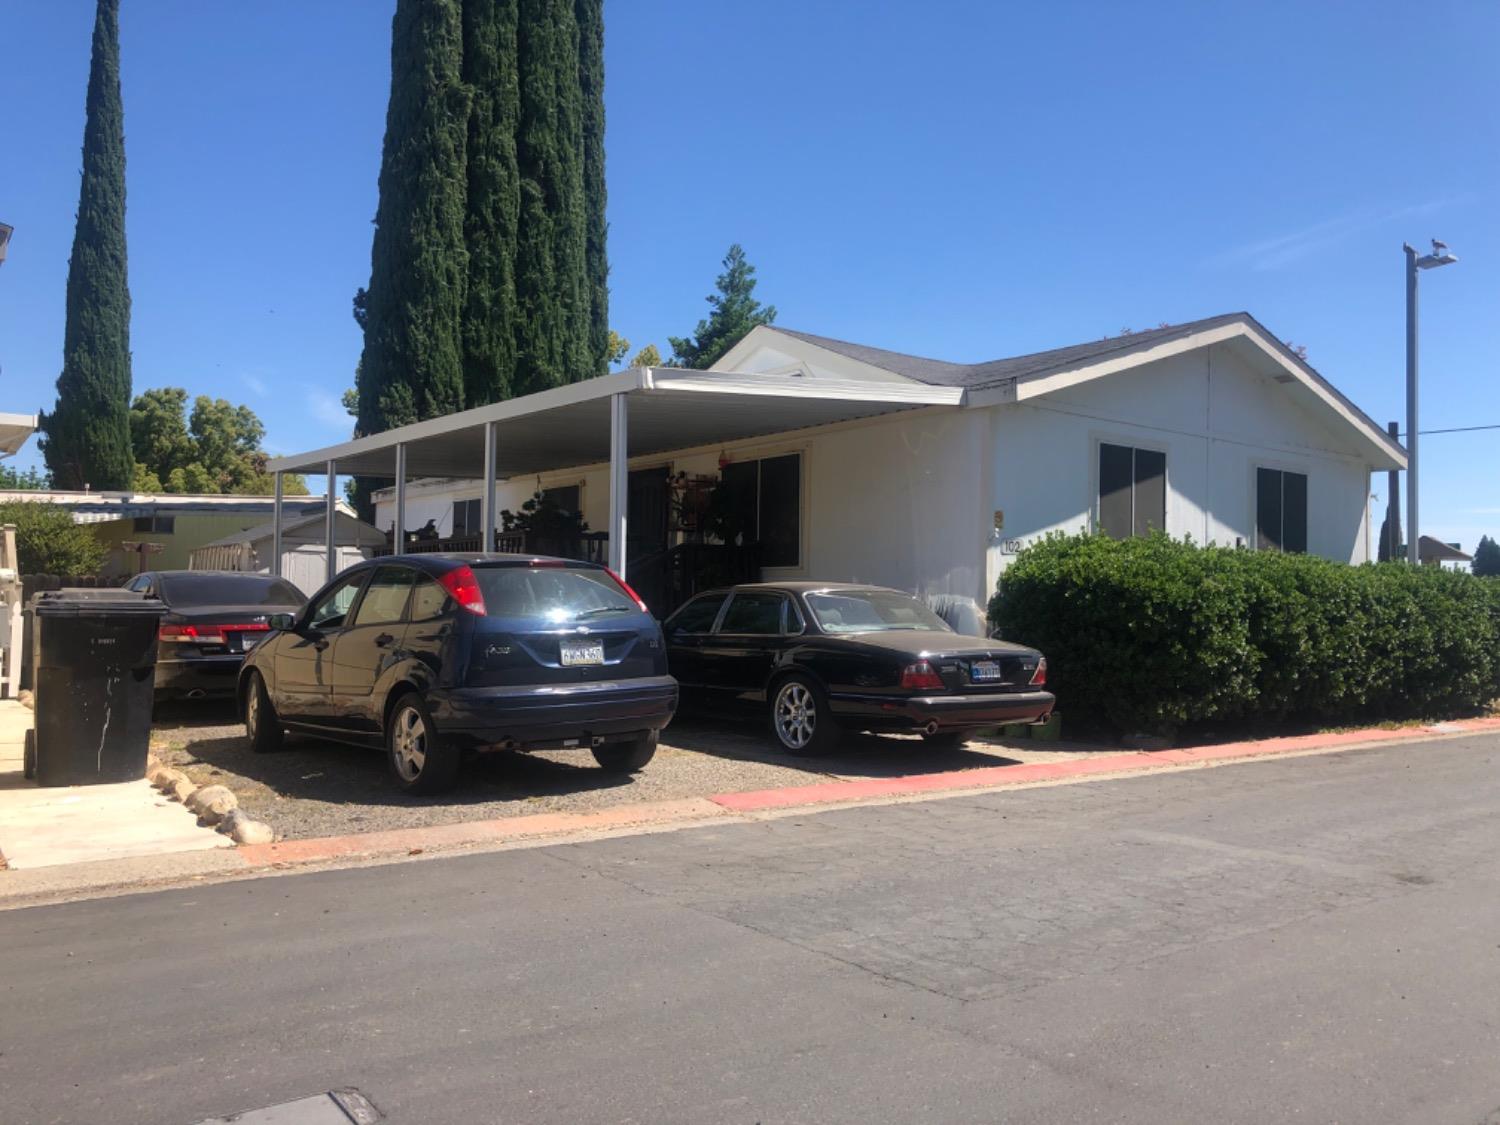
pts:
pixel 735 312
pixel 215 448
pixel 1486 558
pixel 617 348
pixel 87 434
pixel 31 480
pixel 49 542
pixel 646 357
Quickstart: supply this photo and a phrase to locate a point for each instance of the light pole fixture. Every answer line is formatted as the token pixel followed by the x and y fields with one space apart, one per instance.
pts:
pixel 6 230
pixel 1438 257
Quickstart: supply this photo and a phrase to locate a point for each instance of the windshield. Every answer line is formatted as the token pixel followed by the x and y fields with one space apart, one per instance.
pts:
pixel 228 589
pixel 551 593
pixel 872 611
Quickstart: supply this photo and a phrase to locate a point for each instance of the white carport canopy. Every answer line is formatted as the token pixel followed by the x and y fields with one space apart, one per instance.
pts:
pixel 634 413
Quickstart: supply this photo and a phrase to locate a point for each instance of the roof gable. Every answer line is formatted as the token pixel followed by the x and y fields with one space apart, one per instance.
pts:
pixel 1039 373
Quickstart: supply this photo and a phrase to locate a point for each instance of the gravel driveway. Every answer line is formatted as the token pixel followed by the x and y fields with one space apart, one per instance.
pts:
pixel 316 788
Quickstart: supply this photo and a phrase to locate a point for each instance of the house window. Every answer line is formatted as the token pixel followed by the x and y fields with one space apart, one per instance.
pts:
pixel 765 506
pixel 466 519
pixel 156 525
pixel 565 498
pixel 1132 490
pixel 1280 511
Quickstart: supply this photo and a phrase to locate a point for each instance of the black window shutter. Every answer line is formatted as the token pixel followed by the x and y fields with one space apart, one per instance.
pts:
pixel 1294 512
pixel 1150 491
pixel 1116 475
pixel 781 510
pixel 1268 510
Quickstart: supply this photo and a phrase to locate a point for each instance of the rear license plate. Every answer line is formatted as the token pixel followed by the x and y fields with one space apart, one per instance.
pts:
pixel 582 652
pixel 984 671
pixel 242 641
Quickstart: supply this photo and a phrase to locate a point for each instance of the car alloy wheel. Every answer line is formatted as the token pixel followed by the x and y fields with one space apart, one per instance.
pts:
pixel 252 713
pixel 795 715
pixel 409 743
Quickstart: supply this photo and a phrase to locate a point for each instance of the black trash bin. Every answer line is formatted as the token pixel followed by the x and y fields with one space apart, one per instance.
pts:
pixel 93 671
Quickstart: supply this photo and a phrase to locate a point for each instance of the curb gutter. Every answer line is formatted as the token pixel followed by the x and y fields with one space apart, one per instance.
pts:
pixel 520 831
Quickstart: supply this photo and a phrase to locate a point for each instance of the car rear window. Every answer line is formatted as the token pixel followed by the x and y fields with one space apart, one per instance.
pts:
pixel 872 611
pixel 551 593
pixel 228 589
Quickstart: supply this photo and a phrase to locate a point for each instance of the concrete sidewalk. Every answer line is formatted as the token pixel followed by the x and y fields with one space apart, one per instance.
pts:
pixel 52 826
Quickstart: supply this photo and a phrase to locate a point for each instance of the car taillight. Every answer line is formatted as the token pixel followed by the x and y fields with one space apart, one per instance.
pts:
pixel 921 677
pixel 201 632
pixel 1039 677
pixel 631 594
pixel 463 588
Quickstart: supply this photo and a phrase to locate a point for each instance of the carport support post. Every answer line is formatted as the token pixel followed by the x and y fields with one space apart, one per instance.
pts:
pixel 398 536
pixel 619 476
pixel 331 552
pixel 276 529
pixel 487 497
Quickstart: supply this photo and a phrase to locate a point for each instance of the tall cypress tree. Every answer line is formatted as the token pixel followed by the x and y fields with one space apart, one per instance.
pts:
pixel 491 71
pixel 87 438
pixel 589 15
pixel 412 364
pixel 552 328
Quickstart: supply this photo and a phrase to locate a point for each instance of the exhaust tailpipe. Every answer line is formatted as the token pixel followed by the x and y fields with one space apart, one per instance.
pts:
pixel 197 693
pixel 931 727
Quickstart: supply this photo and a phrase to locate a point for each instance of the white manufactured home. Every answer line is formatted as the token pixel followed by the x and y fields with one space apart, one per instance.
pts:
pixel 849 463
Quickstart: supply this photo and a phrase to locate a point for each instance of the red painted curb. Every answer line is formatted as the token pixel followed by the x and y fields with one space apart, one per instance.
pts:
pixel 995 776
pixel 661 813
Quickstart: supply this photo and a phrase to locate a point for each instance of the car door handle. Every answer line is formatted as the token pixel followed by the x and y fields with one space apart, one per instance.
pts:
pixel 384 640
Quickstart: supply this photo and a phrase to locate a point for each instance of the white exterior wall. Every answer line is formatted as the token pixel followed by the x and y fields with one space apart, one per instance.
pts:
pixel 1216 420
pixel 892 501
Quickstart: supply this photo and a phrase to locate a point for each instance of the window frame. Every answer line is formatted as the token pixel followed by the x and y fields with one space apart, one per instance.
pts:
pixel 735 595
pixel 1101 439
pixel 1282 469
pixel 478 517
pixel 713 625
pixel 353 622
pixel 361 579
pixel 758 460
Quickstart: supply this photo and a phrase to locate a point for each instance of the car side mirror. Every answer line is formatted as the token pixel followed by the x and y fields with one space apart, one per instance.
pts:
pixel 282 622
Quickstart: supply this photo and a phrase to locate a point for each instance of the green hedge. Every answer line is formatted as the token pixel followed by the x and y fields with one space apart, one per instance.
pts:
pixel 1150 634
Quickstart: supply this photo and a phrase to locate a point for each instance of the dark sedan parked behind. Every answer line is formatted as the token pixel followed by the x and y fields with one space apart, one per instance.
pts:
pixel 821 658
pixel 432 655
pixel 213 618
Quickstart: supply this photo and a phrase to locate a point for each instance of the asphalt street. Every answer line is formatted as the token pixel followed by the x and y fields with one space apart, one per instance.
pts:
pixel 1313 939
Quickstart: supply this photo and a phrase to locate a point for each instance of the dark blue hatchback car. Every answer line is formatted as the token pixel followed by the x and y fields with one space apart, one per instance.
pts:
pixel 430 656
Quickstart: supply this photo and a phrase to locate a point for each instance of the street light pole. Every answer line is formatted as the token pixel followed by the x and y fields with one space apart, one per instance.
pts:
pixel 1438 257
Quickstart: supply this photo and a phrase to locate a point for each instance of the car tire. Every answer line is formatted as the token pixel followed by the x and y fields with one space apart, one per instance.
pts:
pixel 420 759
pixel 946 740
pixel 801 722
pixel 262 724
pixel 626 757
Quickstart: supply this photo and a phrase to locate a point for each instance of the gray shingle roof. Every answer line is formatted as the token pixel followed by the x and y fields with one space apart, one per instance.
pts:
pixel 941 373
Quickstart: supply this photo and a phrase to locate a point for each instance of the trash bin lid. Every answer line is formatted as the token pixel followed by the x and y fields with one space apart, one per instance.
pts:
pixel 103 602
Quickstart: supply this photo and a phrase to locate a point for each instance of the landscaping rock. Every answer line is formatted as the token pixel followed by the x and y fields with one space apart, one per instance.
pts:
pixel 164 777
pixel 181 789
pixel 212 803
pixel 26 699
pixel 245 829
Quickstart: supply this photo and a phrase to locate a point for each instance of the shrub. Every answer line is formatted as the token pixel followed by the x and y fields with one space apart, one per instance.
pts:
pixel 49 542
pixel 1150 634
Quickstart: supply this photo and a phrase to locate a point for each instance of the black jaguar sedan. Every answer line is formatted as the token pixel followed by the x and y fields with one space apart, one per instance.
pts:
pixel 821 658
pixel 430 656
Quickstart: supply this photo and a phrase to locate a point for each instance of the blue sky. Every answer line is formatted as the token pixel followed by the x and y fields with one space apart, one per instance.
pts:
pixel 960 179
